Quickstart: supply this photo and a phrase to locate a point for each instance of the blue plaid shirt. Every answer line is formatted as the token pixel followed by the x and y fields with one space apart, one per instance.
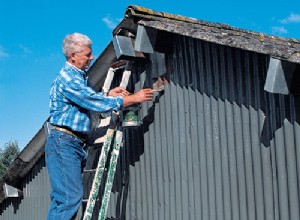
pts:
pixel 71 99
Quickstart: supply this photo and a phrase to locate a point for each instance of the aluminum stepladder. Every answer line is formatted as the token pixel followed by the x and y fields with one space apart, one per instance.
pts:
pixel 114 134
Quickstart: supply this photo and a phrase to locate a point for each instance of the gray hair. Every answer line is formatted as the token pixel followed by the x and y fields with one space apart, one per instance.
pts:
pixel 75 43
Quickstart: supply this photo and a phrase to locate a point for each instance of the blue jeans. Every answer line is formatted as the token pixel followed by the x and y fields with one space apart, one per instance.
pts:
pixel 64 156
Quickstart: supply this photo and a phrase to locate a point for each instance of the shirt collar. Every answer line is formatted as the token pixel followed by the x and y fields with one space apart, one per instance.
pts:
pixel 84 74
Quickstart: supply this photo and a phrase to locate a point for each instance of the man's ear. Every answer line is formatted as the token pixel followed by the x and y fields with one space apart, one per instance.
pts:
pixel 72 57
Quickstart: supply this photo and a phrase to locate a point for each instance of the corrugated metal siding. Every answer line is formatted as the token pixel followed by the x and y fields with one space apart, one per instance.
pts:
pixel 219 146
pixel 35 202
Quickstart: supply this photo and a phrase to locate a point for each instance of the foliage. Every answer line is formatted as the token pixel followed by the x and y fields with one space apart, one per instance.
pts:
pixel 7 155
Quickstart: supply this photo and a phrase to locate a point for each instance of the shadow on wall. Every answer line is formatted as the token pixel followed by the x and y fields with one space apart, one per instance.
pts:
pixel 130 154
pixel 282 107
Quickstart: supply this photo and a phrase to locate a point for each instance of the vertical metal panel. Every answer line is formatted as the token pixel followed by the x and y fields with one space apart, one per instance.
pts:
pixel 219 146
pixel 35 202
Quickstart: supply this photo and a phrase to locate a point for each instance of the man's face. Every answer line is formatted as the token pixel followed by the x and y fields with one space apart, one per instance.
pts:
pixel 82 59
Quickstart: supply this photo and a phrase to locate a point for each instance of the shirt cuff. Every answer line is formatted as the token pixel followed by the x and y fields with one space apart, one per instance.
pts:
pixel 119 100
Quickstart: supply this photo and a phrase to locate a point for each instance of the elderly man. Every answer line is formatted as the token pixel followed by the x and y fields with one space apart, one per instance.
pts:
pixel 70 101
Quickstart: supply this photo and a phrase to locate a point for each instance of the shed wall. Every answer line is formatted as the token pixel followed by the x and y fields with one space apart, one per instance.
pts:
pixel 215 145
pixel 35 202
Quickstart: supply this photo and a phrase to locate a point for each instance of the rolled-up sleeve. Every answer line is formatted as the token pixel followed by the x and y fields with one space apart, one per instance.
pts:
pixel 77 91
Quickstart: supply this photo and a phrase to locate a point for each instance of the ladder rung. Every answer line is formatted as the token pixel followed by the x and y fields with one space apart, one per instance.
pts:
pixel 86 200
pixel 89 171
pixel 92 170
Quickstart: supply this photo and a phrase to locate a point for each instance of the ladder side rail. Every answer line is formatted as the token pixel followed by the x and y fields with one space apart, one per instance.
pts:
pixel 104 152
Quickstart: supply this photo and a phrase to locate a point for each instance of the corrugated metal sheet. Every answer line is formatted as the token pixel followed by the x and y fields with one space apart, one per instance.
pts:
pixel 35 202
pixel 217 146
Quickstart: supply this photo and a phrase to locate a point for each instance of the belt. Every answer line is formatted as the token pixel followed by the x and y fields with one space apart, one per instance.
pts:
pixel 72 133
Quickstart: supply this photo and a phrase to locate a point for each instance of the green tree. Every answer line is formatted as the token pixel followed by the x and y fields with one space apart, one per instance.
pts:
pixel 7 155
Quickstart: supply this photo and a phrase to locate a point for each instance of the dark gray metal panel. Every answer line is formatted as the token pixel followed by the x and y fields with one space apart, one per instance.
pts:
pixel 219 146
pixel 35 202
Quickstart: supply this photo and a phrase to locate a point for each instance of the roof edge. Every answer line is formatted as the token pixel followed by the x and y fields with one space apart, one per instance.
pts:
pixel 142 12
pixel 278 47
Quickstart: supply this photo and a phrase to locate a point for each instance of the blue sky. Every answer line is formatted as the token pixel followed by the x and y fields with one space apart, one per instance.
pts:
pixel 31 33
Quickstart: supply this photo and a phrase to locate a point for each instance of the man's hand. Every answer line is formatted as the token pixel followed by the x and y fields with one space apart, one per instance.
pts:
pixel 118 64
pixel 118 91
pixel 143 95
pixel 138 97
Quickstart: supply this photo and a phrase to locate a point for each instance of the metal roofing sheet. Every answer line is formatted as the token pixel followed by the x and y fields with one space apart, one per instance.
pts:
pixel 283 48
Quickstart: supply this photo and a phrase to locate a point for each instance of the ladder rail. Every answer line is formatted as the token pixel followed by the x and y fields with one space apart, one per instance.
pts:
pixel 98 175
pixel 113 160
pixel 111 173
pixel 105 149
